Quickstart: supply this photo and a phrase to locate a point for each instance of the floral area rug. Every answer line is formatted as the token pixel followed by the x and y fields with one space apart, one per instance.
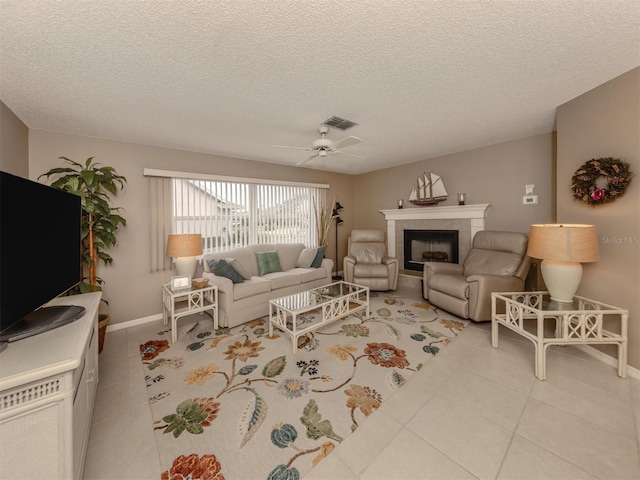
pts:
pixel 237 404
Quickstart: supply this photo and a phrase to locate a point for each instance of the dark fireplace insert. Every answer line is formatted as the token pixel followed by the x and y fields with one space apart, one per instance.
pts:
pixel 429 246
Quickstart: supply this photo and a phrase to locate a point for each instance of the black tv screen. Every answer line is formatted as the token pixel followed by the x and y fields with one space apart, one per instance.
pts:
pixel 40 230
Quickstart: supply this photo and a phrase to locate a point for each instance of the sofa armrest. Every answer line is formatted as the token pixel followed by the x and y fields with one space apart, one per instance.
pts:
pixel 431 268
pixel 480 289
pixel 389 260
pixel 223 283
pixel 327 264
pixel 348 264
pixel 225 292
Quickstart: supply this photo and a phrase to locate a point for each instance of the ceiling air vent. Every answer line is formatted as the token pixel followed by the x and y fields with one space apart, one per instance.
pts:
pixel 341 123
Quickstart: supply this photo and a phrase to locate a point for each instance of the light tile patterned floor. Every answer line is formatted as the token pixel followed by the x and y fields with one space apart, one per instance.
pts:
pixel 474 412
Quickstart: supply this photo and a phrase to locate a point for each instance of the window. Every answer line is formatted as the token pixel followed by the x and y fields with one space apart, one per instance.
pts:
pixel 232 212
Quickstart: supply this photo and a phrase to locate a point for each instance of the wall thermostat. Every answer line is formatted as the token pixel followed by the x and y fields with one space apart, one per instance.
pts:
pixel 530 200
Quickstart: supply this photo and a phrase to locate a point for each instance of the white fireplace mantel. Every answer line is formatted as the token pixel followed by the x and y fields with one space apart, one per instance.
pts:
pixel 476 214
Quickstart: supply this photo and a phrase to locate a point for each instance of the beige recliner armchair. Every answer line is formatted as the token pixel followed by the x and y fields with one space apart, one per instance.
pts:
pixel 367 263
pixel 497 262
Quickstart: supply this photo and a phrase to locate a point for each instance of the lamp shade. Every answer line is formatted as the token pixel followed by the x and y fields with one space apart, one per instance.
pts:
pixel 564 242
pixel 184 245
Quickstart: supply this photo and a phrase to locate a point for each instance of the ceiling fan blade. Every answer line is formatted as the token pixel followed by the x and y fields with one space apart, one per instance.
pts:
pixel 336 152
pixel 302 162
pixel 346 142
pixel 295 148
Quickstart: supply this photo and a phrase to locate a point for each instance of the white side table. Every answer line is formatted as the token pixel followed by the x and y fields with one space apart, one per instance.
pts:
pixel 580 322
pixel 178 304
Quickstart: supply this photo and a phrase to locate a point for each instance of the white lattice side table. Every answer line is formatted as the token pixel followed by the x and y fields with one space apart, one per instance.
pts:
pixel 581 322
pixel 178 304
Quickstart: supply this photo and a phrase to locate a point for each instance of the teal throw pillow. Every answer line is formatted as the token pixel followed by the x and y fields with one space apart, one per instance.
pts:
pixel 319 256
pixel 223 268
pixel 268 262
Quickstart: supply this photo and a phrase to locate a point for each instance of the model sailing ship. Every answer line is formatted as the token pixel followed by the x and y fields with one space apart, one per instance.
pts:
pixel 430 191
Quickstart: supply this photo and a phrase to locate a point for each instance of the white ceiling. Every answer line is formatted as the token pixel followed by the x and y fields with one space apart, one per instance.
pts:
pixel 421 78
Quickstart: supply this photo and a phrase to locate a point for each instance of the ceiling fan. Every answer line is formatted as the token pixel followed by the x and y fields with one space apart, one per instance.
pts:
pixel 324 147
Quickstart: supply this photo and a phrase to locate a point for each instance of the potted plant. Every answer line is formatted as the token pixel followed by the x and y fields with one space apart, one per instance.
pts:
pixel 100 221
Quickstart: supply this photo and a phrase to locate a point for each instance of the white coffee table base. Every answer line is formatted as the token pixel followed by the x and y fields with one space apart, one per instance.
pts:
pixel 284 312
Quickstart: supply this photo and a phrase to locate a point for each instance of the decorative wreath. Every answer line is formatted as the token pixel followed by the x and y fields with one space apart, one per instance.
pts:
pixel 587 189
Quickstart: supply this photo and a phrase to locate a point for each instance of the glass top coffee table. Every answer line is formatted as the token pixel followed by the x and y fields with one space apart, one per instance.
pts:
pixel 306 311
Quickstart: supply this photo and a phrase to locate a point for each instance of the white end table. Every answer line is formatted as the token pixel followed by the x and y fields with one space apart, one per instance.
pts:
pixel 580 322
pixel 194 300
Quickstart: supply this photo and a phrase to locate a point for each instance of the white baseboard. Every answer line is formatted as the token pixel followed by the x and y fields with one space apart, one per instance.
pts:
pixel 134 323
pixel 594 352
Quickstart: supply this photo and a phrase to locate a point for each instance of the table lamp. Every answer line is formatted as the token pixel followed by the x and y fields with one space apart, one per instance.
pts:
pixel 184 247
pixel 563 248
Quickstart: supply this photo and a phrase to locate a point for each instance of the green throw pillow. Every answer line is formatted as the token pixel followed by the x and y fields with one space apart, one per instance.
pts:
pixel 268 262
pixel 319 256
pixel 223 268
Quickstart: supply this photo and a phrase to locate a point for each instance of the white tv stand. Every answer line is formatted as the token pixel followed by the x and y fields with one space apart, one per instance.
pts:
pixel 47 391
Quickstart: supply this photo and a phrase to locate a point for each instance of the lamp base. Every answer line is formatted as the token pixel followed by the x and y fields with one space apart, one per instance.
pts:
pixel 562 279
pixel 186 266
pixel 336 277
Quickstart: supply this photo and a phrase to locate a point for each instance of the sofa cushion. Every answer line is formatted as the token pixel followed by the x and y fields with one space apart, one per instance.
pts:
pixel 306 257
pixel 288 254
pixel 223 268
pixel 268 262
pixel 251 287
pixel 238 267
pixel 242 254
pixel 282 279
pixel 319 256
pixel 309 274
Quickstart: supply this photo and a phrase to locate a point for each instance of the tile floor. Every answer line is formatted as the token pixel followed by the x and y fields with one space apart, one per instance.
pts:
pixel 473 412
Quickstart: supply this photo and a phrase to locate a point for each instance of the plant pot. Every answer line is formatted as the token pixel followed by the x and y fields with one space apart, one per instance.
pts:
pixel 103 321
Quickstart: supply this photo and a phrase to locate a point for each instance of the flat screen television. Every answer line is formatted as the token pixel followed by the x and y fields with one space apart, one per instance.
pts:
pixel 40 230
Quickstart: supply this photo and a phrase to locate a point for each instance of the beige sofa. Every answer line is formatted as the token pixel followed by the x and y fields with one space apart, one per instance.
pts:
pixel 240 302
pixel 497 262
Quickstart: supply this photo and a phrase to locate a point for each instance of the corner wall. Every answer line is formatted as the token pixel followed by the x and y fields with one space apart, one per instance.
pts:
pixel 605 122
pixel 14 143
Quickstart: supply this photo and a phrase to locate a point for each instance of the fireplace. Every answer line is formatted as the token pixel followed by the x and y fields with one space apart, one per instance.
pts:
pixel 429 246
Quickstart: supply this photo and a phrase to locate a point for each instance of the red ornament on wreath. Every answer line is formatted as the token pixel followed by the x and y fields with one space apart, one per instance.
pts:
pixel 601 180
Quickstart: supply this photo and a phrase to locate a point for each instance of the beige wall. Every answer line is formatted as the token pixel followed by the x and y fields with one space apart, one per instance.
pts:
pixel 605 122
pixel 132 291
pixel 495 175
pixel 14 143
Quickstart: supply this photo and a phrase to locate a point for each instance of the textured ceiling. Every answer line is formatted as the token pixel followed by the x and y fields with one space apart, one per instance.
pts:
pixel 421 78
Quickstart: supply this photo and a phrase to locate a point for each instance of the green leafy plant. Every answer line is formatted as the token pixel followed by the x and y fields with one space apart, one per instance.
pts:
pixel 100 222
